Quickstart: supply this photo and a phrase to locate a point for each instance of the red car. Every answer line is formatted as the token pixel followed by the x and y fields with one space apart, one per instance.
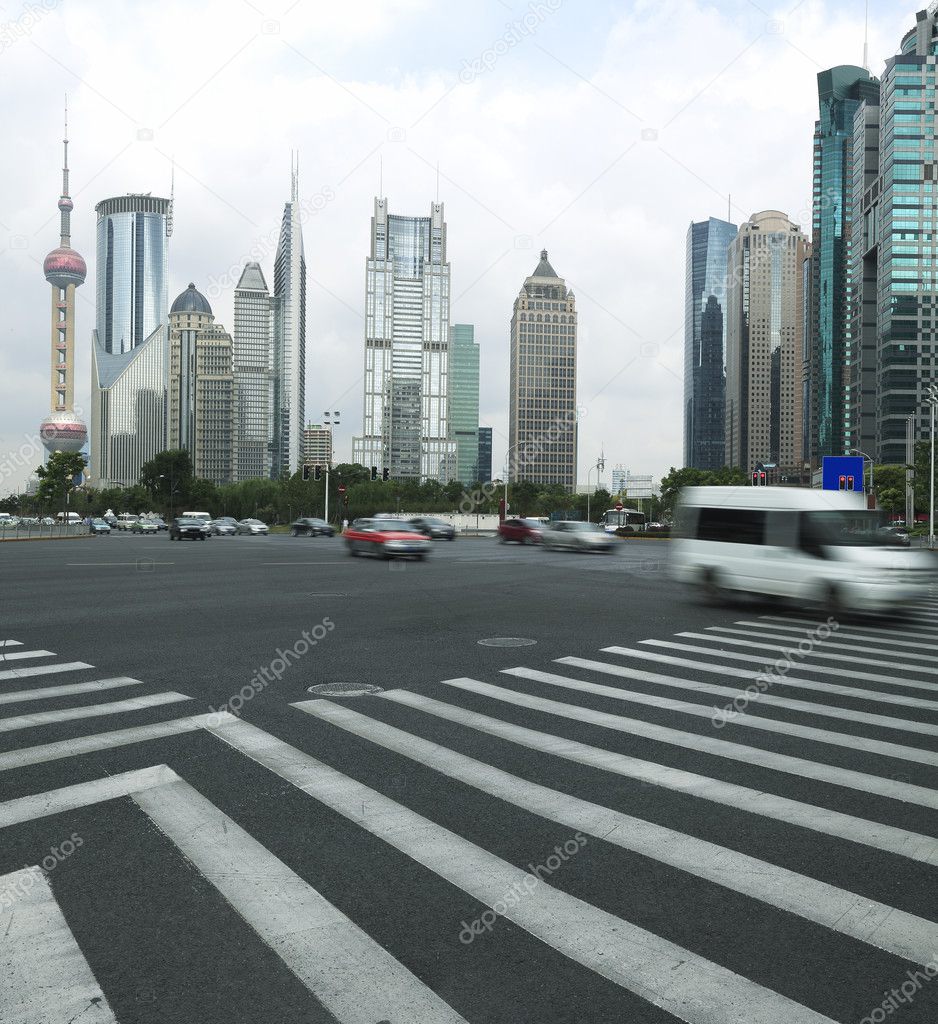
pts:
pixel 524 531
pixel 386 538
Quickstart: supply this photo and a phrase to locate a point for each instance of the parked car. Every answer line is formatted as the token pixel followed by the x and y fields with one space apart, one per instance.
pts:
pixel 577 536
pixel 386 538
pixel 194 529
pixel 523 531
pixel 143 526
pixel 253 526
pixel 307 527
pixel 9 523
pixel 126 520
pixel 160 523
pixel 223 527
pixel 47 521
pixel 99 526
pixel 435 529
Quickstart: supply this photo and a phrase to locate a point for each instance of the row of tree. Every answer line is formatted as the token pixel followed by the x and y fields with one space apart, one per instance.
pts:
pixel 167 486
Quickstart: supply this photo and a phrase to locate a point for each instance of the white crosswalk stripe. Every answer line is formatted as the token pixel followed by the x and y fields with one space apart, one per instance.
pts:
pixel 116 707
pixel 22 655
pixel 787 642
pixel 69 690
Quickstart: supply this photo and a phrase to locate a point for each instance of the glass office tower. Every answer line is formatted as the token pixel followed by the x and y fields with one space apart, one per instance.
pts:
pixel 485 454
pixel 464 401
pixel 708 243
pixel 829 338
pixel 894 244
pixel 407 296
pixel 253 368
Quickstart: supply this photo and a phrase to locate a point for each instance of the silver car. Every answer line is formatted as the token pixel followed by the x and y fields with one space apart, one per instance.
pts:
pixel 252 526
pixel 577 536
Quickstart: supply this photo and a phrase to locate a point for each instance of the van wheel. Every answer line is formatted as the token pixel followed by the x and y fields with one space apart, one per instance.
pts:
pixel 710 587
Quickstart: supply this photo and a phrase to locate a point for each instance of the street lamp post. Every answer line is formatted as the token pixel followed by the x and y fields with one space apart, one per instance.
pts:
pixel 933 402
pixel 508 472
pixel 857 451
pixel 330 419
pixel 600 465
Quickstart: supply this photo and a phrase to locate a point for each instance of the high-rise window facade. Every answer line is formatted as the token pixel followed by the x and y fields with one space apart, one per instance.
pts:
pixel 542 411
pixel 407 348
pixel 764 343
pixel 829 341
pixel 253 368
pixel 704 388
pixel 485 454
pixel 464 401
pixel 289 351
pixel 895 224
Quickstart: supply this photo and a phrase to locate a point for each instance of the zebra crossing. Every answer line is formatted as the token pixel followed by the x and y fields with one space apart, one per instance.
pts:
pixel 774 865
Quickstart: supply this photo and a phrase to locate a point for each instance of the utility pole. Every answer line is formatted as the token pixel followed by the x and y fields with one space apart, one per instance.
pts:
pixel 933 402
pixel 909 471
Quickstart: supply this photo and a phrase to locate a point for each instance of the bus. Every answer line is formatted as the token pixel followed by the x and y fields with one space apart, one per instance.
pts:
pixel 628 519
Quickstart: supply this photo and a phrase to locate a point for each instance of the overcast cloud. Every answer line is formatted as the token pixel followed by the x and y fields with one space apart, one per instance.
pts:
pixel 597 130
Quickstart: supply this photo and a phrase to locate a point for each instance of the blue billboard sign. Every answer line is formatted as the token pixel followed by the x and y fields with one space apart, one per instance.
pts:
pixel 842 473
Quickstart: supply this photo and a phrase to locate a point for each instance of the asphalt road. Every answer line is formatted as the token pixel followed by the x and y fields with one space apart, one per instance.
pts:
pixel 537 832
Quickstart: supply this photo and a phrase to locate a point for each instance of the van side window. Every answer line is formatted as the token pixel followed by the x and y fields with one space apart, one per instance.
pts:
pixel 732 525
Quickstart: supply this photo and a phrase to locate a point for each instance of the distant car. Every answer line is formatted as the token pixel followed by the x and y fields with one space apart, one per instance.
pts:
pixel 9 523
pixel 307 527
pixel 47 521
pixel 223 527
pixel 194 529
pixel 386 538
pixel 895 534
pixel 435 529
pixel 143 526
pixel 252 526
pixel 126 520
pixel 523 531
pixel 577 536
pixel 160 523
pixel 99 526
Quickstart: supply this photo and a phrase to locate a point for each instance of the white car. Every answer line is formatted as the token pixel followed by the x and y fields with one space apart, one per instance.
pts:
pixel 805 545
pixel 252 526
pixel 574 535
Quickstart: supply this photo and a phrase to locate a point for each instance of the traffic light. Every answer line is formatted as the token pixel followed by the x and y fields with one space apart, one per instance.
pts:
pixel 317 474
pixel 763 479
pixel 849 483
pixel 374 472
pixel 306 470
pixel 385 474
pixel 755 478
pixel 842 481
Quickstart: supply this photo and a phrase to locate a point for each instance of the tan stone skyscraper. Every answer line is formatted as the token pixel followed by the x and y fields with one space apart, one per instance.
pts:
pixel 764 342
pixel 542 413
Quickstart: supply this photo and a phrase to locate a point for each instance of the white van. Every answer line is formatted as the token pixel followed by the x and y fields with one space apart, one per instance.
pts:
pixel 821 547
pixel 67 517
pixel 204 516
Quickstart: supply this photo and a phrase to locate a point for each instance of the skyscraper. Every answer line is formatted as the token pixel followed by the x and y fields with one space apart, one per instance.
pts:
pixel 895 280
pixel 708 243
pixel 63 430
pixel 289 350
pixel 485 454
pixel 764 343
pixel 542 411
pixel 201 387
pixel 464 401
pixel 829 341
pixel 407 296
pixel 252 357
pixel 129 347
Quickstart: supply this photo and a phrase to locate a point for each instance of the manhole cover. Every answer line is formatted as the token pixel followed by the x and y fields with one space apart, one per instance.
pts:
pixel 344 689
pixel 507 641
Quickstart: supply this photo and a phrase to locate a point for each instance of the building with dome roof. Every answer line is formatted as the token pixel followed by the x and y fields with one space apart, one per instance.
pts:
pixel 63 430
pixel 201 406
pixel 542 409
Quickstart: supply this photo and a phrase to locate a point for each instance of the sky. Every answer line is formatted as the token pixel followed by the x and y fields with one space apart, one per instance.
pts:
pixel 595 129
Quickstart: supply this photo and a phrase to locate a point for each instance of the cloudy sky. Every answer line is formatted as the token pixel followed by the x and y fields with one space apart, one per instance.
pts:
pixel 592 128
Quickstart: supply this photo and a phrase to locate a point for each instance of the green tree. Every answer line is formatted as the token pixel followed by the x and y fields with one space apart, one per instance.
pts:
pixel 676 479
pixel 57 477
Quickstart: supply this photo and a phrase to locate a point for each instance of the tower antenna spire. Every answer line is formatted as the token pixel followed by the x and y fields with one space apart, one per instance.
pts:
pixel 438 181
pixel 65 203
pixel 380 177
pixel 866 38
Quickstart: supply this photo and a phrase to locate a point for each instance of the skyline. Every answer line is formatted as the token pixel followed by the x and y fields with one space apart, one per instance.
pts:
pixel 616 221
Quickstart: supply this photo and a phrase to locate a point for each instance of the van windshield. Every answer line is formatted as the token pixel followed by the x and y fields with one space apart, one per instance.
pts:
pixel 840 528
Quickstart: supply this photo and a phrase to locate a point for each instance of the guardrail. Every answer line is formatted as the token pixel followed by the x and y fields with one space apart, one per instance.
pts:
pixel 41 531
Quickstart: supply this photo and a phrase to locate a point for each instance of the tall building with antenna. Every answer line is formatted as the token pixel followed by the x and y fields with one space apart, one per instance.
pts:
pixel 64 268
pixel 289 338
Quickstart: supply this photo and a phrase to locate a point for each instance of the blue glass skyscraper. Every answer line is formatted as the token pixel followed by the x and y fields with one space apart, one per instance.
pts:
pixel 708 243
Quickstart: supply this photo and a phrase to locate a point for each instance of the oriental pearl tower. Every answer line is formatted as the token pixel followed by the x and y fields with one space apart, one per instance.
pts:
pixel 62 430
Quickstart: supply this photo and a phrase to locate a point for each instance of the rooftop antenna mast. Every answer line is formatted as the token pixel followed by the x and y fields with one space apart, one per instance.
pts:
pixel 380 177
pixel 866 39
pixel 438 181
pixel 172 193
